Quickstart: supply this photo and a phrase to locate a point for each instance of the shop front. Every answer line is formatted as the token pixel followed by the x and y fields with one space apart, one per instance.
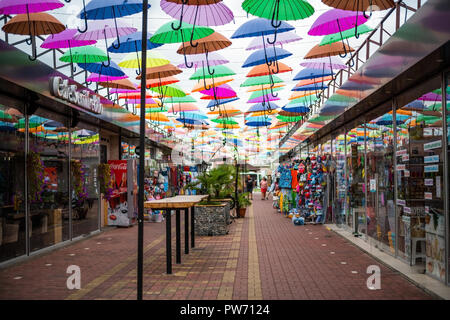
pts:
pixel 54 136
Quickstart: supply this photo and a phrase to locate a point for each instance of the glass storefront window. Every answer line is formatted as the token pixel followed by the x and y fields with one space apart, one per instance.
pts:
pixel 12 183
pixel 48 181
pixel 340 180
pixel 356 188
pixel 447 116
pixel 84 185
pixel 380 181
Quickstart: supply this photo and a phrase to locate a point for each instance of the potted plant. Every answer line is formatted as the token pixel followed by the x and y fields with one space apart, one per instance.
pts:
pixel 213 214
pixel 243 202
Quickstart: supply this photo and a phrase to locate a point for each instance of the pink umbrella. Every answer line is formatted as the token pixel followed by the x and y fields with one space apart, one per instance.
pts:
pixel 336 20
pixel 282 38
pixel 138 101
pixel 28 6
pixel 214 14
pixel 114 90
pixel 104 29
pixel 95 77
pixel 223 91
pixel 185 107
pixel 65 39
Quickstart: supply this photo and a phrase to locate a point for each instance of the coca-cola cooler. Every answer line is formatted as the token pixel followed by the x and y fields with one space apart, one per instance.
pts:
pixel 122 206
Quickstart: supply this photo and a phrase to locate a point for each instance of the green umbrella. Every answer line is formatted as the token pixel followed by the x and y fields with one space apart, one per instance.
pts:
pixel 116 109
pixel 185 99
pixel 279 9
pixel 289 119
pixel 224 121
pixel 303 100
pixel 341 98
pixel 5 117
pixel 427 119
pixel 219 71
pixel 261 80
pixel 86 54
pixel 169 91
pixel 166 34
pixel 153 110
pixel 257 94
pixel 33 122
pixel 335 37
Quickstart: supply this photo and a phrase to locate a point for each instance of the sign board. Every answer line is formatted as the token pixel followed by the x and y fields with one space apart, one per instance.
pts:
pixel 428 196
pixel 438 187
pixel 433 168
pixel 405 157
pixel 401 167
pixel 429 182
pixel 407 210
pixel 407 174
pixel 401 202
pixel 373 185
pixel 402 152
pixel 432 145
pixel 61 88
pixel 431 159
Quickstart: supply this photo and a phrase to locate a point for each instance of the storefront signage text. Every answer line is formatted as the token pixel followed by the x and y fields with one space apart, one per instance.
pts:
pixel 433 168
pixel 428 196
pixel 429 182
pixel 402 152
pixel 432 145
pixel 61 88
pixel 431 159
pixel 401 202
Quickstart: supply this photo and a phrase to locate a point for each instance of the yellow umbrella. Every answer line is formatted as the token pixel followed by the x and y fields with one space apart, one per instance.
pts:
pixel 133 61
pixel 228 126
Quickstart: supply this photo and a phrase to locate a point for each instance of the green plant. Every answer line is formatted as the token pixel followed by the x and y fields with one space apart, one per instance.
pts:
pixel 104 178
pixel 217 183
pixel 243 200
pixel 78 187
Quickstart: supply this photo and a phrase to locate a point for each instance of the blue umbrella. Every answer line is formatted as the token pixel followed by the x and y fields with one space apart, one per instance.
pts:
pixel 268 106
pixel 258 123
pixel 192 121
pixel 109 9
pixel 310 73
pixel 416 105
pixel 331 109
pixel 217 102
pixel 296 109
pixel 310 87
pixel 112 70
pixel 192 115
pixel 7 127
pixel 260 27
pixel 387 119
pixel 261 56
pixel 131 43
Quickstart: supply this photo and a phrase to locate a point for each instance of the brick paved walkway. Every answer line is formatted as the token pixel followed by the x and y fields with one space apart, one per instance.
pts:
pixel 263 257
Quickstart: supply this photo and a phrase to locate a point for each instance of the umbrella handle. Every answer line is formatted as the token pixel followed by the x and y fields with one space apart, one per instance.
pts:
pixel 107 53
pixel 184 54
pixel 364 11
pixel 85 20
pixel 138 71
pixel 34 56
pixel 67 1
pixel 276 11
pixel 207 64
pixel 117 31
pixel 183 2
pixel 274 38
pixel 28 41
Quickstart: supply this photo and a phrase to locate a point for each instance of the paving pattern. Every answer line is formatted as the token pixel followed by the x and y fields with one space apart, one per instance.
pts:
pixel 264 256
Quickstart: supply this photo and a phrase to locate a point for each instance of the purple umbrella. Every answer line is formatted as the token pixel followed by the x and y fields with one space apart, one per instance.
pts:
pixel 199 60
pixel 215 14
pixel 114 90
pixel 320 63
pixel 336 20
pixel 282 38
pixel 28 6
pixel 431 96
pixel 104 29
pixel 95 77
pixel 138 101
pixel 264 99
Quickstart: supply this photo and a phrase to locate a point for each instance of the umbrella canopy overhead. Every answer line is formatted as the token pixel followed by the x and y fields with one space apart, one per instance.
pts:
pixel 160 72
pixel 281 39
pixel 262 57
pixel 34 24
pixel 264 70
pixel 65 39
pixel 327 50
pixel 259 27
pixel 280 9
pixel 213 42
pixel 336 20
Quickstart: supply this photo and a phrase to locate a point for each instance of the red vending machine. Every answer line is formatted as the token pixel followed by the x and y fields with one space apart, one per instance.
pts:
pixel 122 206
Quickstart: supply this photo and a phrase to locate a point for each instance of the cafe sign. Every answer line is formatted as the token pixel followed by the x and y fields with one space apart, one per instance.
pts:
pixel 61 88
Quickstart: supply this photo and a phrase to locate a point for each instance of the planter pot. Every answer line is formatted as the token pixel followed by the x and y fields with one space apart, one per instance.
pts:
pixel 242 212
pixel 227 209
pixel 211 220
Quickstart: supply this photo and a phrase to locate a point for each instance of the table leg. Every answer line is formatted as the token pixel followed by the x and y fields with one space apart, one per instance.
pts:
pixel 186 231
pixel 178 237
pixel 169 241
pixel 192 227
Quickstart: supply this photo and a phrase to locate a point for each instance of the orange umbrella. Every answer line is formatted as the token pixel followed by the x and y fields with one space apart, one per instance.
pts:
pixel 182 107
pixel 349 93
pixel 264 70
pixel 229 114
pixel 119 84
pixel 291 114
pixel 265 87
pixel 213 42
pixel 226 109
pixel 228 126
pixel 313 81
pixel 133 96
pixel 200 86
pixel 352 5
pixel 129 118
pixel 160 82
pixel 300 94
pixel 157 116
pixel 161 72
pixel 328 50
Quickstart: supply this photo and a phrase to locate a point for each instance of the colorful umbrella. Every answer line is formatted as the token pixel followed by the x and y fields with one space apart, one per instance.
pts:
pixel 199 60
pixel 260 57
pixel 133 60
pixel 104 29
pixel 350 33
pixel 264 70
pixel 202 13
pixel 282 38
pixel 277 10
pixel 33 24
pixel 112 69
pixel 161 72
pixel 94 77
pixel 333 49
pixel 261 80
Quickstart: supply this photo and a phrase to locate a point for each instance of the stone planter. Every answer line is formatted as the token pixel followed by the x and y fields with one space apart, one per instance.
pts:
pixel 228 207
pixel 242 212
pixel 211 220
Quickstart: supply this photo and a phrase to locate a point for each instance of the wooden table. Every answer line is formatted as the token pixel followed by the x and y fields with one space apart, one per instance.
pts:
pixel 177 203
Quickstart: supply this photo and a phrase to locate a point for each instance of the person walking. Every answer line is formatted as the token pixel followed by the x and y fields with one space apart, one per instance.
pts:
pixel 263 185
pixel 249 184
